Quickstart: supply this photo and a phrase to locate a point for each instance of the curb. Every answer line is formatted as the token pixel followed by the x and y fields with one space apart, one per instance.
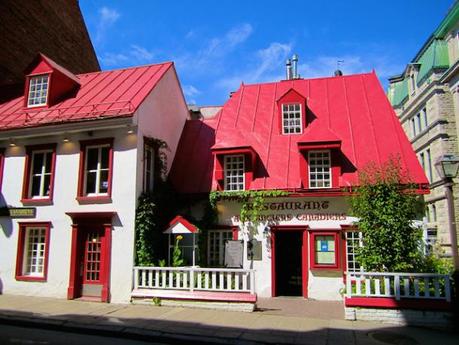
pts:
pixel 126 332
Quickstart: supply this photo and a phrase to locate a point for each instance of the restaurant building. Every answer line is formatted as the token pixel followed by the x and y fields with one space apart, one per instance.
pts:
pixel 307 139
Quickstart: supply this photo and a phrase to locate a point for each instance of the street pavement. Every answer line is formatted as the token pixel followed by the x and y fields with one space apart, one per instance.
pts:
pixel 279 322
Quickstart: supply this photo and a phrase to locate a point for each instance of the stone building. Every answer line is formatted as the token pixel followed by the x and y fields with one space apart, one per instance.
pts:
pixel 425 98
pixel 55 28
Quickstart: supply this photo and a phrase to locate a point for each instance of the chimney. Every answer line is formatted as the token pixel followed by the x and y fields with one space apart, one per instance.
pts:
pixel 295 66
pixel 288 65
pixel 338 73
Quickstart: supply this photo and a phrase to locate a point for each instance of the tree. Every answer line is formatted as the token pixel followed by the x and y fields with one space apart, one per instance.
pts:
pixel 386 206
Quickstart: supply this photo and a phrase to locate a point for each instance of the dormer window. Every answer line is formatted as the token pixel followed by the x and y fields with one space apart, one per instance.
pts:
pixel 234 172
pixel 291 119
pixel 319 163
pixel 38 90
pixel 234 167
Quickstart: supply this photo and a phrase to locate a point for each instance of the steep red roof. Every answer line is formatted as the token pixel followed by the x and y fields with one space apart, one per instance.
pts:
pixel 116 93
pixel 352 110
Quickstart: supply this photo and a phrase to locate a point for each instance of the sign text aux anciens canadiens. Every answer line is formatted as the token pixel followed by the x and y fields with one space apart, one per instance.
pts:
pixel 301 210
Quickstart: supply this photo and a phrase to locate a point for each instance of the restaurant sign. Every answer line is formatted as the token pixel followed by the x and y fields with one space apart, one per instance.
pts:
pixel 18 212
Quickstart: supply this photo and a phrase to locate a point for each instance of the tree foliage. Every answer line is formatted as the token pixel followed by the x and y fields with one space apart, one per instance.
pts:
pixel 386 206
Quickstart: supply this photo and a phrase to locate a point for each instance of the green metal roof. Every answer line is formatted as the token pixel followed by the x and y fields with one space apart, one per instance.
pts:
pixel 435 56
pixel 400 92
pixel 448 22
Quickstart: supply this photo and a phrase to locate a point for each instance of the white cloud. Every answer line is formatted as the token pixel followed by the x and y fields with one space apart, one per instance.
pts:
pixel 135 55
pixel 211 55
pixel 141 54
pixel 107 17
pixel 113 59
pixel 190 91
pixel 268 66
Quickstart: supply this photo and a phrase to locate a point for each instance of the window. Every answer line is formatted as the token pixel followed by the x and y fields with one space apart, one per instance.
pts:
pixel 422 161
pixel 353 242
pixel 434 213
pixel 33 248
pixel 234 171
pixel 430 238
pixel 324 250
pixel 429 165
pixel 412 84
pixel 216 246
pixel 95 169
pixel 148 168
pixel 186 243
pixel 413 127
pixel 319 169
pixel 39 173
pixel 38 91
pixel 424 117
pixel 291 119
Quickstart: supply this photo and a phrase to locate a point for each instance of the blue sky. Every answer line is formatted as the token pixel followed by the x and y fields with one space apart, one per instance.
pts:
pixel 218 44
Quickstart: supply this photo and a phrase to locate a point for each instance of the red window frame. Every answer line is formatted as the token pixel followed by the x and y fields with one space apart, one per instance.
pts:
pixel 81 195
pixel 26 184
pixel 334 161
pixel 250 158
pixel 312 251
pixel 289 98
pixel 21 251
pixel 2 163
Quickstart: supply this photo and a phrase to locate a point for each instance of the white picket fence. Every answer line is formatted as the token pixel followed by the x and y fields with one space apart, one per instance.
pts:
pixel 195 278
pixel 398 285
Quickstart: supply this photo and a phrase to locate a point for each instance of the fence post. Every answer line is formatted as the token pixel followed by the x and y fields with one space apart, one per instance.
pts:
pixel 397 287
pixel 348 285
pixel 136 278
pixel 192 279
pixel 252 281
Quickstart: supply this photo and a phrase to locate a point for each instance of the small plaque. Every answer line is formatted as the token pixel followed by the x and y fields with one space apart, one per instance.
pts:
pixel 233 254
pixel 18 212
pixel 254 251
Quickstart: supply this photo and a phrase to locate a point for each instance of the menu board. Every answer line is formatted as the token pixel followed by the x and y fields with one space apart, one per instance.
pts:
pixel 233 254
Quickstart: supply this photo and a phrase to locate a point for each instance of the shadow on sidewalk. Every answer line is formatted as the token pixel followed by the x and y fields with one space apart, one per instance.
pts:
pixel 227 327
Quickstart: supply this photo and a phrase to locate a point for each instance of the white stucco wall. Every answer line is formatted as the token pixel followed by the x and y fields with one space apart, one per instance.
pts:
pixel 65 191
pixel 161 116
pixel 322 284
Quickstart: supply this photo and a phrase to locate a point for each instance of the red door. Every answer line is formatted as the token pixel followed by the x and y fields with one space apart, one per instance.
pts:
pixel 92 264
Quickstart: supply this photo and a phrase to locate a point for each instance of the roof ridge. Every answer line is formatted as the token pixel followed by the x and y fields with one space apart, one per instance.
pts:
pixel 308 79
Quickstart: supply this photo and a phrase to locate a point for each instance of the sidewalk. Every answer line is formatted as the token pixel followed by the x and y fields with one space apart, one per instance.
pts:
pixel 273 325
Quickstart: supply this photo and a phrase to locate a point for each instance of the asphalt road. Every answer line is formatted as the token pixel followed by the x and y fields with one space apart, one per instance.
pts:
pixel 12 335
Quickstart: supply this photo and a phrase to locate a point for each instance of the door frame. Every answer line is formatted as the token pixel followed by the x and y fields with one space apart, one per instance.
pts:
pixel 80 223
pixel 304 257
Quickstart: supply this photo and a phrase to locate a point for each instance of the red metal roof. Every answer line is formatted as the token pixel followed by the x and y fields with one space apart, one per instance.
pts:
pixel 105 94
pixel 352 110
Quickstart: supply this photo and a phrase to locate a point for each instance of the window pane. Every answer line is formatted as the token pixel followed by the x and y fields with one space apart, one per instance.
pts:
pixel 325 249
pixel 48 162
pixel 37 162
pixel 103 187
pixel 92 158
pixel 35 188
pixel 105 159
pixel 91 182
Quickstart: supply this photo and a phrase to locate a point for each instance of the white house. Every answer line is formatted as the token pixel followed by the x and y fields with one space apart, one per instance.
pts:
pixel 75 153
